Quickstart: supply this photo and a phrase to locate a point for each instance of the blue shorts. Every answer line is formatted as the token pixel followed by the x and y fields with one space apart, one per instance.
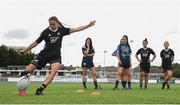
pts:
pixel 87 63
pixel 124 65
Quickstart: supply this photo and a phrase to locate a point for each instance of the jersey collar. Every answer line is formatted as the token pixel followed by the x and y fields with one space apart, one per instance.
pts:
pixel 166 49
pixel 145 48
pixel 53 30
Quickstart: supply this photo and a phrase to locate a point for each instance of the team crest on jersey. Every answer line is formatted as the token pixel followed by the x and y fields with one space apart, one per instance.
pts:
pixel 167 55
pixel 53 39
pixel 145 54
pixel 124 49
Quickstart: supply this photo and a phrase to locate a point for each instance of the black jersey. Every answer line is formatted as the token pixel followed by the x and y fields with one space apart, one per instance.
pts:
pixel 145 54
pixel 166 56
pixel 53 41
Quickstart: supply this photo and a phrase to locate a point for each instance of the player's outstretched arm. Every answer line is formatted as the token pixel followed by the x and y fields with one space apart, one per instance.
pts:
pixel 80 28
pixel 25 50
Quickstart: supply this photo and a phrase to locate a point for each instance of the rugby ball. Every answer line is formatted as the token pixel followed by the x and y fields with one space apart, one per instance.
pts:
pixel 23 82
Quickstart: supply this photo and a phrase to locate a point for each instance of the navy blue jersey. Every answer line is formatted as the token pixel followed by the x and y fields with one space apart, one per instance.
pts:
pixel 91 51
pixel 53 41
pixel 166 56
pixel 124 52
pixel 145 54
pixel 87 61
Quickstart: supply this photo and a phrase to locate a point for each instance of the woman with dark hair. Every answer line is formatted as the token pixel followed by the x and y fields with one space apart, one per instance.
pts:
pixel 167 56
pixel 124 63
pixel 145 61
pixel 87 63
pixel 51 53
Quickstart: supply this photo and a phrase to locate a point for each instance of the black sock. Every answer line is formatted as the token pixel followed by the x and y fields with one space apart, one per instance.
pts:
pixel 24 73
pixel 124 84
pixel 84 84
pixel 145 85
pixel 164 83
pixel 129 84
pixel 43 87
pixel 140 84
pixel 116 83
pixel 95 83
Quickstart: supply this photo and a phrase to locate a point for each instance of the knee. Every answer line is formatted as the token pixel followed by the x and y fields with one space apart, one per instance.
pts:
pixel 142 74
pixel 29 68
pixel 146 75
pixel 119 74
pixel 129 73
pixel 94 74
pixel 83 73
pixel 169 74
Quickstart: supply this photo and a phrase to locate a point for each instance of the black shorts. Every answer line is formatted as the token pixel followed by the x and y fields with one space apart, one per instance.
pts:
pixel 166 67
pixel 145 67
pixel 124 65
pixel 40 61
pixel 87 63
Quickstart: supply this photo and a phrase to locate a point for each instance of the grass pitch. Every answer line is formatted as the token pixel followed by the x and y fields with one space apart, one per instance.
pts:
pixel 66 93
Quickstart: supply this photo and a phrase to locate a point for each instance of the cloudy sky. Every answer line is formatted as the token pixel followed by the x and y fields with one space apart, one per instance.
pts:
pixel 21 22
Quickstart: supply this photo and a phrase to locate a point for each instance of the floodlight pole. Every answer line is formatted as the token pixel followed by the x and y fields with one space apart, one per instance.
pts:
pixel 104 63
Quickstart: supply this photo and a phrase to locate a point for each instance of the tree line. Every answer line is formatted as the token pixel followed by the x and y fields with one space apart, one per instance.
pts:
pixel 158 69
pixel 9 56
